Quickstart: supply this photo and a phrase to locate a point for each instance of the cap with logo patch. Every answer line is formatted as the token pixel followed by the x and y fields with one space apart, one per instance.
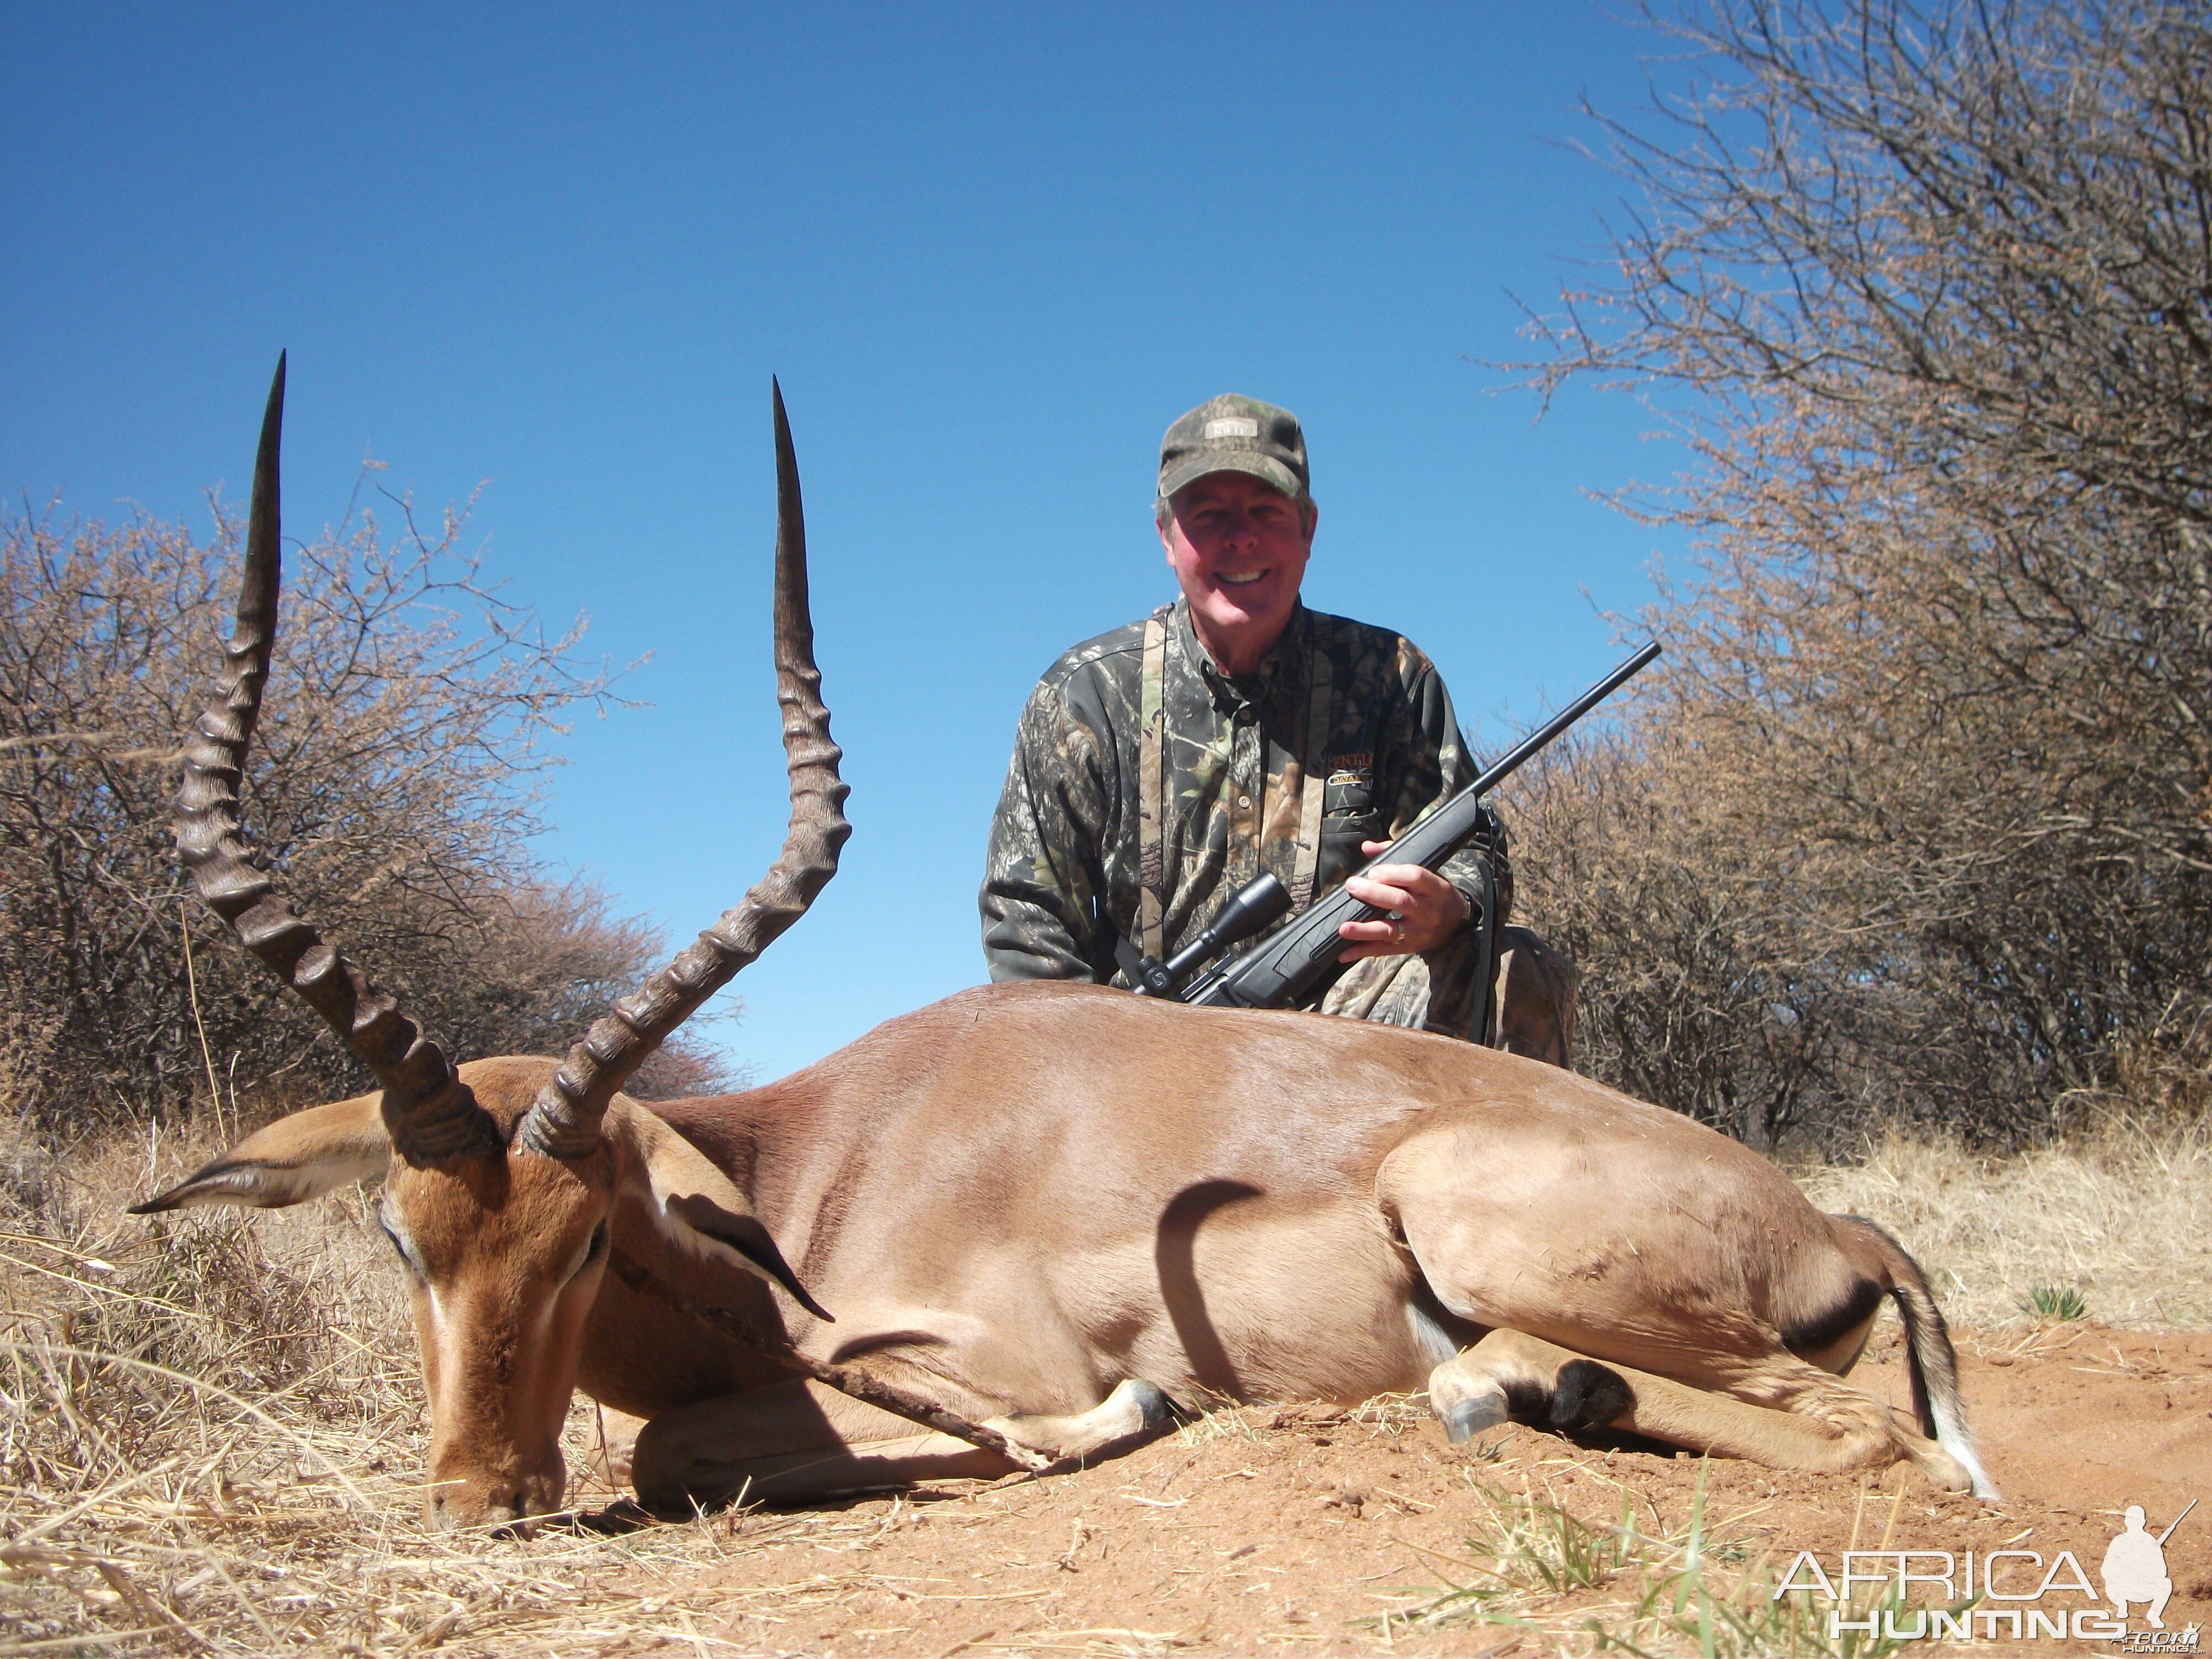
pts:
pixel 1230 434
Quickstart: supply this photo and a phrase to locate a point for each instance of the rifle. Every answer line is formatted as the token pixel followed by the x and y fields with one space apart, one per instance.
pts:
pixel 1301 959
pixel 2177 1520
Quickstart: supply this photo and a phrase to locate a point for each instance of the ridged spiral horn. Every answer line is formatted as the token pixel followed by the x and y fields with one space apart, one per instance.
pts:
pixel 429 1111
pixel 563 1121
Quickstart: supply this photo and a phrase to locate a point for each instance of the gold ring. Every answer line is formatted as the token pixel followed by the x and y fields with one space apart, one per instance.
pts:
pixel 1398 933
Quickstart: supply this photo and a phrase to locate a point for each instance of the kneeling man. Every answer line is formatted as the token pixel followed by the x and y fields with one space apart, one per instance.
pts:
pixel 1161 767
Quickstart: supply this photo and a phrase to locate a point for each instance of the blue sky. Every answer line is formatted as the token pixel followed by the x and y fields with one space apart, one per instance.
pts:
pixel 992 252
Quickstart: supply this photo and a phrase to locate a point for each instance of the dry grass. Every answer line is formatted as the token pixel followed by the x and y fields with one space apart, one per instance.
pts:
pixel 1627 1581
pixel 2122 1213
pixel 211 1433
pixel 211 1428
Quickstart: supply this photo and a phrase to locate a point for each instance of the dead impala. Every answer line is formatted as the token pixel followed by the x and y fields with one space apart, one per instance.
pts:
pixel 1040 1212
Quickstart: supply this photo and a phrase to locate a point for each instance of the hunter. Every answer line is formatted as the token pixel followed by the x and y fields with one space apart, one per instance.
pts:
pixel 1286 740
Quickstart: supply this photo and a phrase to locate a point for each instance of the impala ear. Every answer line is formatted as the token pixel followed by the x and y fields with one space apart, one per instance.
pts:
pixel 292 1160
pixel 744 1237
pixel 695 1209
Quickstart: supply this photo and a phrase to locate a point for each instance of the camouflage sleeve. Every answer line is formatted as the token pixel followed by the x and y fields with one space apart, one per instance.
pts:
pixel 1428 762
pixel 1042 878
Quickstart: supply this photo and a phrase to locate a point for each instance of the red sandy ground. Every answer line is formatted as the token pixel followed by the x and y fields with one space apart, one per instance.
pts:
pixel 1296 1531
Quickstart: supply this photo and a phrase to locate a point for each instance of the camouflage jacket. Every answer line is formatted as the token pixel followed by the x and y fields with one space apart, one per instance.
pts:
pixel 1062 879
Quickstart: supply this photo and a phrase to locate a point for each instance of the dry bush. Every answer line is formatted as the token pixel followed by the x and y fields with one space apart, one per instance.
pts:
pixel 1924 292
pixel 391 787
pixel 2122 1212
pixel 1697 992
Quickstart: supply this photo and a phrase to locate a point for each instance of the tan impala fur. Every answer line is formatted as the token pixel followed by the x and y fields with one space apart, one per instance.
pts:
pixel 1052 1209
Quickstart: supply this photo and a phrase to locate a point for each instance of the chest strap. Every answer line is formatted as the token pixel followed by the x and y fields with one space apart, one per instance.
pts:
pixel 1152 790
pixel 1312 789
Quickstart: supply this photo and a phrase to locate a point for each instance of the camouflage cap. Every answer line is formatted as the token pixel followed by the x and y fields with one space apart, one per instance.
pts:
pixel 1230 434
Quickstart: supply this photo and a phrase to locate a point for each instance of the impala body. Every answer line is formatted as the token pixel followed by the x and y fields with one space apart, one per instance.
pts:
pixel 1045 1210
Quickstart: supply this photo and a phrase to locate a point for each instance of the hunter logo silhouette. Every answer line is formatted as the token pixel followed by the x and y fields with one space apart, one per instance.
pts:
pixel 2135 1566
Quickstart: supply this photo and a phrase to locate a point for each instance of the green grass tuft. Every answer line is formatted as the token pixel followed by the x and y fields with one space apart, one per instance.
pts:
pixel 2054 1302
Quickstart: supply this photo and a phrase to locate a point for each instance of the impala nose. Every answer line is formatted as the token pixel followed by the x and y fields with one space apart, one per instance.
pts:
pixel 468 1504
pixel 490 1492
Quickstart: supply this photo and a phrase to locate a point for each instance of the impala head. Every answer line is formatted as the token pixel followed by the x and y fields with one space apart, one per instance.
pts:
pixel 505 1180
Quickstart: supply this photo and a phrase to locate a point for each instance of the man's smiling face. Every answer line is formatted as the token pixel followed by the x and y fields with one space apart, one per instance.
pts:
pixel 1239 547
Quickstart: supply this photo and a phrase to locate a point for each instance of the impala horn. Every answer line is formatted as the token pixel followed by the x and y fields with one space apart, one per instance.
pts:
pixel 563 1121
pixel 429 1111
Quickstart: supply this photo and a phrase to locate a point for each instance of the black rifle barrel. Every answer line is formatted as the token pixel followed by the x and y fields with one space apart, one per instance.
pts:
pixel 1516 757
pixel 1292 964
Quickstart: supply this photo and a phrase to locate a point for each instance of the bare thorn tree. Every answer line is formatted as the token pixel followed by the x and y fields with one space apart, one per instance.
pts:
pixel 1928 293
pixel 395 784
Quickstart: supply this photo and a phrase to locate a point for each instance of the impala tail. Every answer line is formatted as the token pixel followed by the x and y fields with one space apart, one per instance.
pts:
pixel 1929 1359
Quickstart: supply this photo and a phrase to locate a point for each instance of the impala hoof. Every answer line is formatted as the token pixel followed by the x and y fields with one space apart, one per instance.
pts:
pixel 1587 1396
pixel 1466 1419
pixel 1142 1406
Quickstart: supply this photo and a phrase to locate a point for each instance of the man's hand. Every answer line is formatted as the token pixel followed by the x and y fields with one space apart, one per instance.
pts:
pixel 1429 909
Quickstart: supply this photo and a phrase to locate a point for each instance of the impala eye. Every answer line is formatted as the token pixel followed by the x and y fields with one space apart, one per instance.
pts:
pixel 399 1243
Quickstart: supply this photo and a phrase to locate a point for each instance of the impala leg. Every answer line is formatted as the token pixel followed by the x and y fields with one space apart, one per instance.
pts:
pixel 1803 1418
pixel 1135 1408
pixel 798 1440
pixel 1506 1377
pixel 613 1442
pixel 788 1443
